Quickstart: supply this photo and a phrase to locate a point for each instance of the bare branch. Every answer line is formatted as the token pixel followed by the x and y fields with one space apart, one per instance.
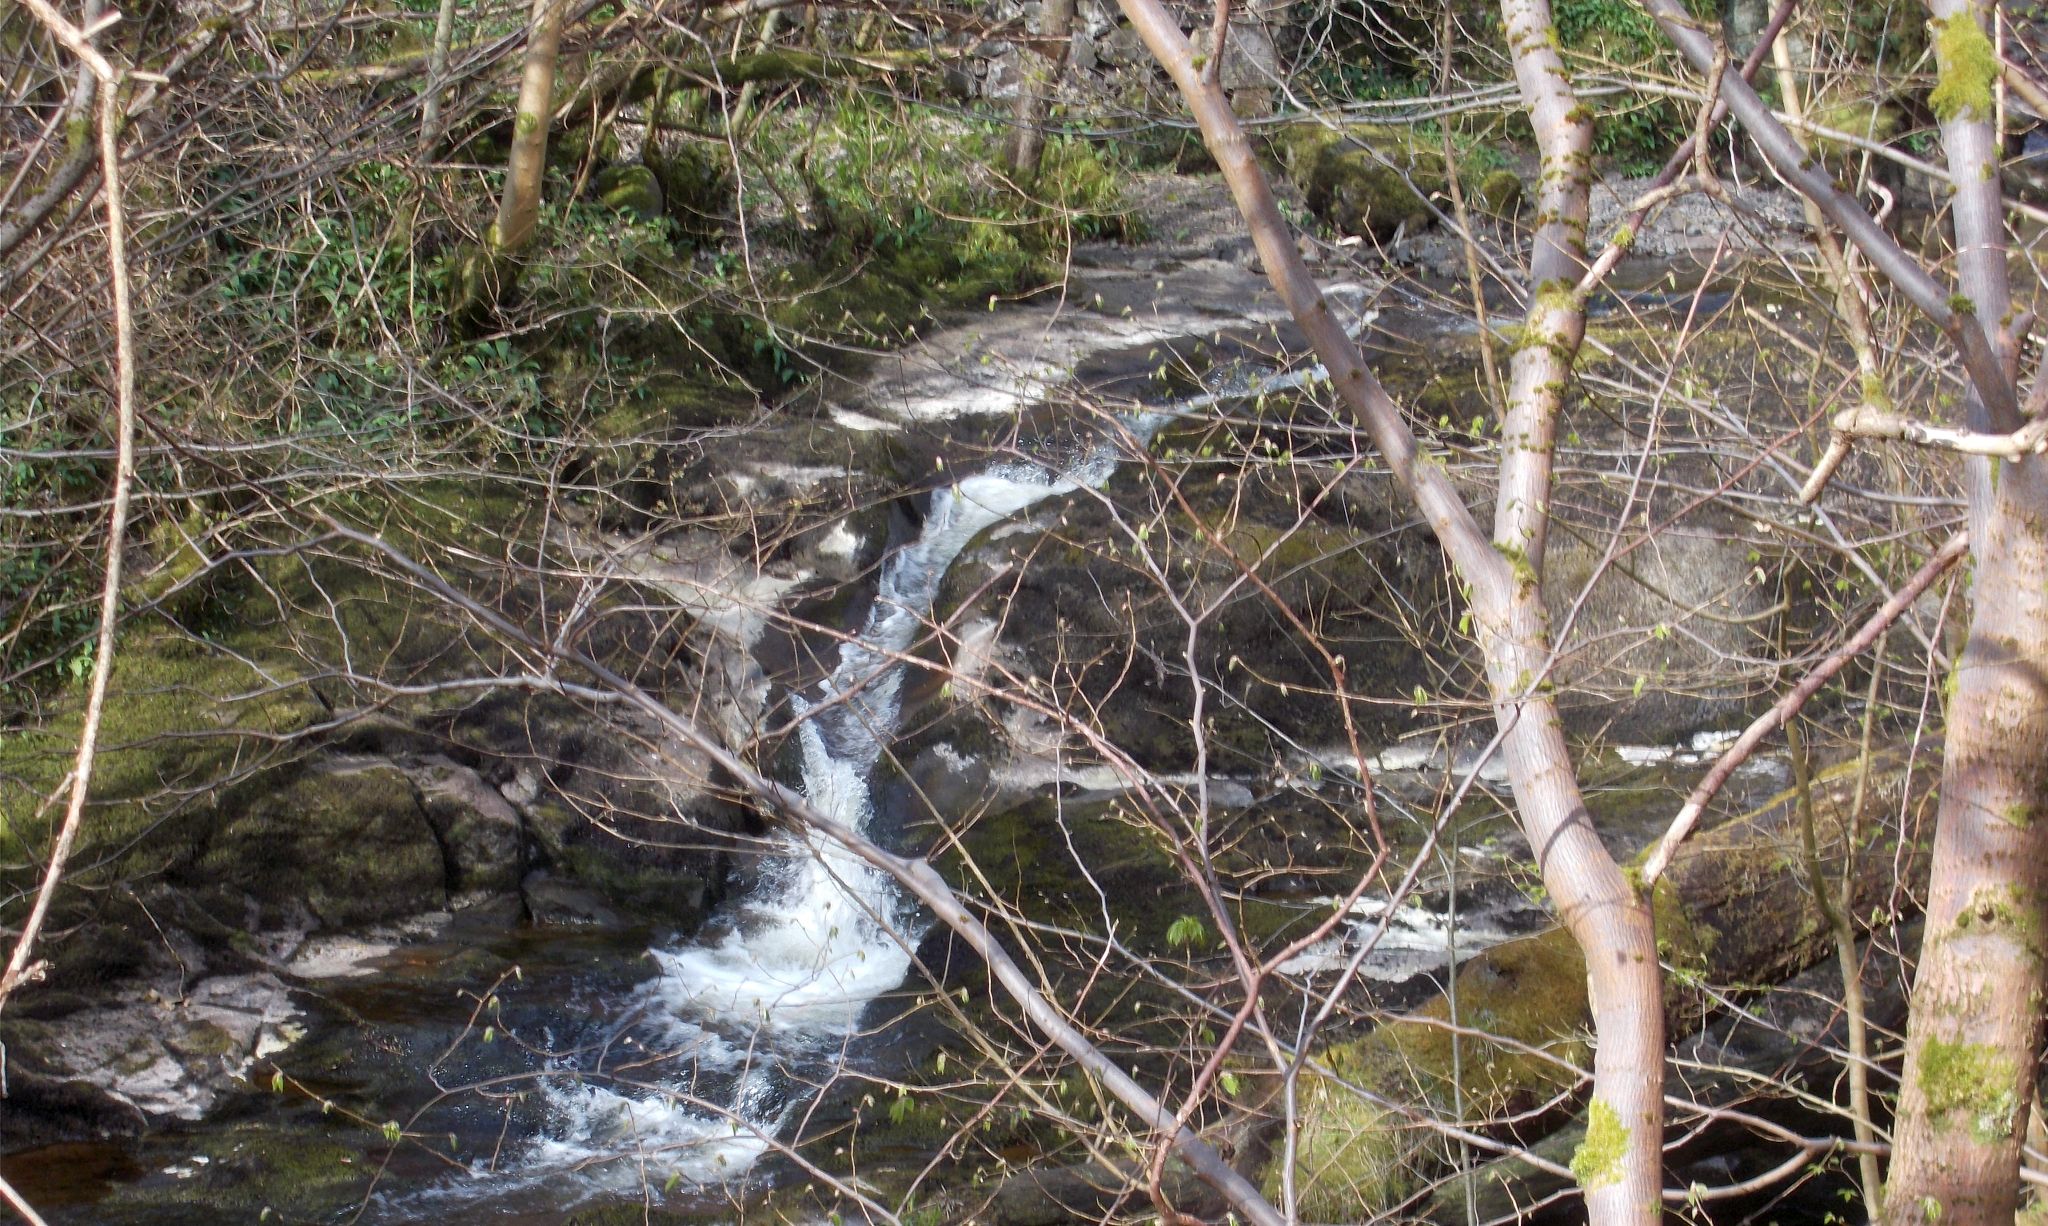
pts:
pixel 1785 708
pixel 19 964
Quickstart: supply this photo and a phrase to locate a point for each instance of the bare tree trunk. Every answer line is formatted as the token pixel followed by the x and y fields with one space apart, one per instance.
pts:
pixel 1055 24
pixel 1620 1165
pixel 1974 1029
pixel 1607 918
pixel 519 209
pixel 1975 1026
pixel 437 74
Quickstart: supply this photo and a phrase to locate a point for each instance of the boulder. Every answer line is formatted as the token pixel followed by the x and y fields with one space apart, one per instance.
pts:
pixel 634 190
pixel 1355 1159
pixel 1362 180
pixel 346 842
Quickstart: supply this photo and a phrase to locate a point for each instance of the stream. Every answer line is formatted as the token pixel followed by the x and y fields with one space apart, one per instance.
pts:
pixel 628 1067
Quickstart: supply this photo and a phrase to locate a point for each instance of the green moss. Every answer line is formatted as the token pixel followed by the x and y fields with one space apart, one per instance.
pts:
pixel 254 1171
pixel 1365 179
pixel 633 190
pixel 2004 908
pixel 1597 1161
pixel 1973 1082
pixel 1353 1162
pixel 1967 66
pixel 168 694
pixel 351 846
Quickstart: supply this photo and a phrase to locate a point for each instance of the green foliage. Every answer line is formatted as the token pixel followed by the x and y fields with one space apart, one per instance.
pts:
pixel 1187 932
pixel 926 188
pixel 343 301
pixel 1637 133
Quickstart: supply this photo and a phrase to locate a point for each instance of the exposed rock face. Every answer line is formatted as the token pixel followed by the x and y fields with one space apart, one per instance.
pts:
pixel 150 1056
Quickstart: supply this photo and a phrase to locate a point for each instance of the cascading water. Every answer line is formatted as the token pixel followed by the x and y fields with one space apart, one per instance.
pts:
pixel 761 1015
pixel 765 1010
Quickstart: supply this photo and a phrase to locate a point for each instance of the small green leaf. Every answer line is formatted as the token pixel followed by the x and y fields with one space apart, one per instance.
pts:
pixel 1187 932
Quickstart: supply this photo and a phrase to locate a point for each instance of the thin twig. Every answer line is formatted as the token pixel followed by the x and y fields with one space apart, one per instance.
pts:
pixel 19 965
pixel 1785 708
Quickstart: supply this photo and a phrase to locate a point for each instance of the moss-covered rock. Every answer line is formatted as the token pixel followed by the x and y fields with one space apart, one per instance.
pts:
pixel 187 719
pixel 1363 179
pixel 253 1173
pixel 1501 192
pixel 696 186
pixel 1356 1159
pixel 634 190
pixel 352 846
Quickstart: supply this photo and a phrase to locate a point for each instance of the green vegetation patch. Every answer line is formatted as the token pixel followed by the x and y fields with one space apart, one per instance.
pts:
pixel 1972 1084
pixel 1967 68
pixel 1597 1161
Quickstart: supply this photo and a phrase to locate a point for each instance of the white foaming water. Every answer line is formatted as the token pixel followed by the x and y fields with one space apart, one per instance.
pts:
pixel 825 933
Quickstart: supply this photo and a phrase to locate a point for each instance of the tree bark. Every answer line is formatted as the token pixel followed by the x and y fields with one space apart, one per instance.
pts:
pixel 1595 900
pixel 1974 1032
pixel 1056 24
pixel 437 74
pixel 519 208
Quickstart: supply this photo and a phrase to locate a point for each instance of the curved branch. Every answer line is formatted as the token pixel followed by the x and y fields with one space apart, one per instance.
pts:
pixel 1981 356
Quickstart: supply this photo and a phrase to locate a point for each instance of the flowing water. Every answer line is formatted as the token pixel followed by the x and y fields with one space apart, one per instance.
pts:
pixel 764 1006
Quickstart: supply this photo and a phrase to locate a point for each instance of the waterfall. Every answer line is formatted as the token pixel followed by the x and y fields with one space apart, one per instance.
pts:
pixel 762 1013
pixel 763 1009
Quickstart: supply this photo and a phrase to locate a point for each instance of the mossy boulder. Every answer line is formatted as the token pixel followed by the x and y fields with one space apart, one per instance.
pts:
pixel 696 187
pixel 1364 179
pixel 1500 192
pixel 1355 1158
pixel 350 845
pixel 187 719
pixel 634 190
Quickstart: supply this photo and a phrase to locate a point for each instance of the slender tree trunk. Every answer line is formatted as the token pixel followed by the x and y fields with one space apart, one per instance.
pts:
pixel 519 209
pixel 1620 1166
pixel 1974 1031
pixel 1040 76
pixel 437 75
pixel 1604 913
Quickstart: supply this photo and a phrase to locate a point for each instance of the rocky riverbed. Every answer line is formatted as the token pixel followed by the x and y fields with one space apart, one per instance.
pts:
pixel 359 936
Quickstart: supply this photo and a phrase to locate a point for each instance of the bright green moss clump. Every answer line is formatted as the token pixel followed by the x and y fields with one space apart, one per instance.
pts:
pixel 1968 67
pixel 1973 1081
pixel 1597 1161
